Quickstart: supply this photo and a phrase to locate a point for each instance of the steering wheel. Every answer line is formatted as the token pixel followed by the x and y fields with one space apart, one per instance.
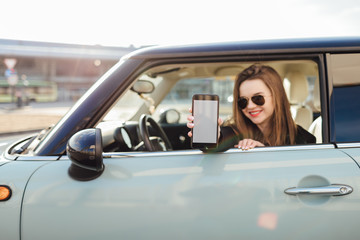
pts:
pixel 153 143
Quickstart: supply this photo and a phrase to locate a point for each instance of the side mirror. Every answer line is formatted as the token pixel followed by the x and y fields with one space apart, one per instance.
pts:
pixel 85 149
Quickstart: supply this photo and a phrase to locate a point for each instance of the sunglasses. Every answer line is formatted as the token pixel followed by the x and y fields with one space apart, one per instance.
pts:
pixel 257 99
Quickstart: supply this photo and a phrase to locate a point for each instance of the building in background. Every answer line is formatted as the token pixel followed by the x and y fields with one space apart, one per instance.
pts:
pixel 53 71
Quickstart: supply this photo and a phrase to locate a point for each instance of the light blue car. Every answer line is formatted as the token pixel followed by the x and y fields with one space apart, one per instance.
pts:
pixel 119 164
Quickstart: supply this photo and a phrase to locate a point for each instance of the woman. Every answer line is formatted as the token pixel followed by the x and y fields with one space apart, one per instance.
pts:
pixel 261 113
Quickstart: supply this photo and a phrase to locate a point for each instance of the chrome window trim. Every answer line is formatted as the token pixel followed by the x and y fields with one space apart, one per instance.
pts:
pixel 233 150
pixel 197 152
pixel 348 145
pixel 37 158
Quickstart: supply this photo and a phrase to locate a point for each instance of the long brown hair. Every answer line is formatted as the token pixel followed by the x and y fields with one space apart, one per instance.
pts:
pixel 283 129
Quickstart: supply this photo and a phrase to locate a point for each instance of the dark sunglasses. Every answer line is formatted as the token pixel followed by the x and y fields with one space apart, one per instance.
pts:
pixel 257 99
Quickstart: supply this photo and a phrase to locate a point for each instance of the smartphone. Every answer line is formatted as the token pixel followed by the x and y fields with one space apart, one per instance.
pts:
pixel 205 109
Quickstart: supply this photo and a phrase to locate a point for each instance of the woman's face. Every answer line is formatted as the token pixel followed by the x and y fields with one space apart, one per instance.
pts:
pixel 259 115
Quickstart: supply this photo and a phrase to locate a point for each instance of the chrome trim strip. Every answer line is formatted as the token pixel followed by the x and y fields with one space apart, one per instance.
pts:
pixel 37 158
pixel 232 150
pixel 348 145
pixel 142 154
pixel 197 152
pixel 151 154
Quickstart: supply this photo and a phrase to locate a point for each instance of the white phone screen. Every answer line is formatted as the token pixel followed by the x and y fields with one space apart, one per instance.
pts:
pixel 205 121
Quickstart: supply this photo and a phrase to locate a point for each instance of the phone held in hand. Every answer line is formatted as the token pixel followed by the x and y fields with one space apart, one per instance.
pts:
pixel 205 109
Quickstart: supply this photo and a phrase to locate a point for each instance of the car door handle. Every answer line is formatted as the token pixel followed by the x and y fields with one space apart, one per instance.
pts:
pixel 331 190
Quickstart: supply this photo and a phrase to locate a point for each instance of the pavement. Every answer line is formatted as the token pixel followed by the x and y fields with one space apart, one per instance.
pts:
pixel 34 117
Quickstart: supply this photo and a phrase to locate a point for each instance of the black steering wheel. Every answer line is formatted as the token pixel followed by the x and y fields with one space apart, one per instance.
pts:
pixel 153 143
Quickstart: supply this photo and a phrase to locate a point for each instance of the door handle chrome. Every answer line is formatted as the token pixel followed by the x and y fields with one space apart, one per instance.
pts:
pixel 331 190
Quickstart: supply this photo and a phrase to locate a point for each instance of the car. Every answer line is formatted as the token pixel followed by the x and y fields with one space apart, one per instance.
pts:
pixel 119 164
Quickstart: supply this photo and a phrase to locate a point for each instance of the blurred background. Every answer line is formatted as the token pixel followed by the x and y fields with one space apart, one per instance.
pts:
pixel 51 52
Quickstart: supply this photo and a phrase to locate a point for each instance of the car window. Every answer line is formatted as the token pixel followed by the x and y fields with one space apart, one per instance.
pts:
pixel 345 72
pixel 175 84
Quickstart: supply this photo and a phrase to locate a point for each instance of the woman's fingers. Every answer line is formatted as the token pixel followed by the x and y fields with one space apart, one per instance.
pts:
pixel 247 144
pixel 244 144
pixel 190 124
pixel 220 121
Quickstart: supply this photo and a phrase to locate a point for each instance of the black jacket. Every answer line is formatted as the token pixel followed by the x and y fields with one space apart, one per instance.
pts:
pixel 228 138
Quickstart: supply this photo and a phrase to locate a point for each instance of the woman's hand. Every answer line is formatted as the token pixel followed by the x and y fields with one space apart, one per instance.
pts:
pixel 190 124
pixel 247 144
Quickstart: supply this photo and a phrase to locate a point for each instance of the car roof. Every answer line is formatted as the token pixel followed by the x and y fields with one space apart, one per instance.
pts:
pixel 309 45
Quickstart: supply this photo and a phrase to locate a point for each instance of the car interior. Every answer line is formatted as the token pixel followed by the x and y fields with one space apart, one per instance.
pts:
pixel 152 114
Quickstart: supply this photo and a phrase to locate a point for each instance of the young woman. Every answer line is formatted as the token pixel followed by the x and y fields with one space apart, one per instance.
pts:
pixel 261 113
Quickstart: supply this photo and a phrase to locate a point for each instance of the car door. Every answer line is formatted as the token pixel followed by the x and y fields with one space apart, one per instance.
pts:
pixel 192 195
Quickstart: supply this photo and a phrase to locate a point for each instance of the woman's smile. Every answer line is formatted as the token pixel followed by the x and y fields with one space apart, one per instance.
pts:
pixel 255 113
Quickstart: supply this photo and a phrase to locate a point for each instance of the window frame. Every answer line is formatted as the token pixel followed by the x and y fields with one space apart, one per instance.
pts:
pixel 331 98
pixel 317 58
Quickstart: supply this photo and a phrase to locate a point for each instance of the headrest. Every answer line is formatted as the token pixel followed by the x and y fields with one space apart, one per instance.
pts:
pixel 297 87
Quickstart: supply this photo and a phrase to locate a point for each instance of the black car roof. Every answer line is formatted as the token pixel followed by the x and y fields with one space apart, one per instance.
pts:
pixel 345 44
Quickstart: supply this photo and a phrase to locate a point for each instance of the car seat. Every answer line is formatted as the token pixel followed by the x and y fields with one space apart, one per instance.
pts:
pixel 297 89
pixel 316 126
